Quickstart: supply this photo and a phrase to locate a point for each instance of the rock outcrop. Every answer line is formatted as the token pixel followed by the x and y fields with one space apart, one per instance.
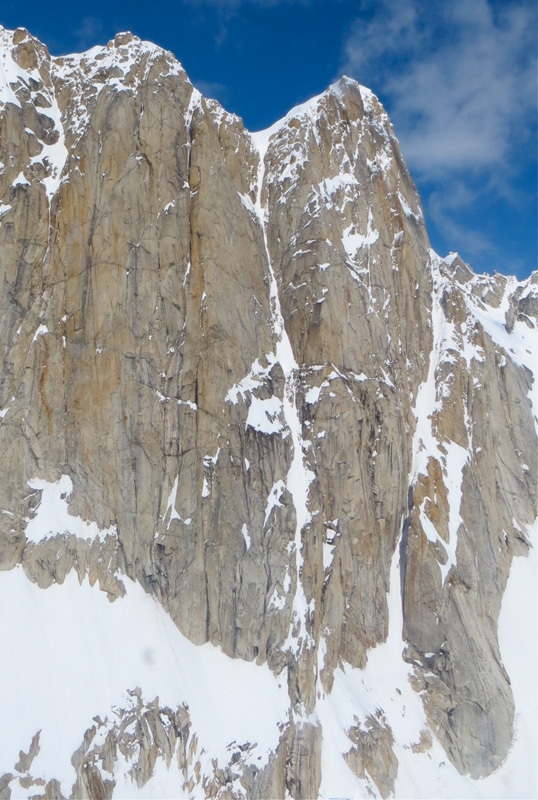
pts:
pixel 235 373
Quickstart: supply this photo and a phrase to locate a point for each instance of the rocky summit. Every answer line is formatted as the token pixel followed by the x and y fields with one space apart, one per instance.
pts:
pixel 269 463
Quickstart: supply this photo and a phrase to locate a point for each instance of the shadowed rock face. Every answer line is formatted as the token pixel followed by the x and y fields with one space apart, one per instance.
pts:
pixel 266 389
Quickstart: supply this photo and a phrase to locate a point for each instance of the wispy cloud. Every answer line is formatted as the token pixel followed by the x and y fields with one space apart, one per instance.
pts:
pixel 213 89
pixel 88 33
pixel 459 77
pixel 459 82
pixel 441 204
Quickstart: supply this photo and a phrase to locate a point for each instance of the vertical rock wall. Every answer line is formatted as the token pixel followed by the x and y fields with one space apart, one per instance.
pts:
pixel 263 385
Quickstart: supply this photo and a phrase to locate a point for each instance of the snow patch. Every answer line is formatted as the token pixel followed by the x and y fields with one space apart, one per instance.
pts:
pixel 20 180
pixel 246 535
pixel 80 653
pixel 273 500
pixel 353 241
pixel 427 444
pixel 41 331
pixel 312 395
pixel 171 507
pixel 52 514
pixel 264 415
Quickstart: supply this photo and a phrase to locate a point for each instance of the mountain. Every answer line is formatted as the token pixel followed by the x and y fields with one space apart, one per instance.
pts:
pixel 269 463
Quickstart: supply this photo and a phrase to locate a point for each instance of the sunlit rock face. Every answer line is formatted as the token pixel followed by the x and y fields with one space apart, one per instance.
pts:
pixel 268 460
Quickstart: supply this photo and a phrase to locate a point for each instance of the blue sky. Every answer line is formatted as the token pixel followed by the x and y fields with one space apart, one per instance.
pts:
pixel 458 78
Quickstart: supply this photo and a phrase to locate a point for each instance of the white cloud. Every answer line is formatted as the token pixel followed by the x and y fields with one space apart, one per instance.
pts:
pixel 392 30
pixel 459 77
pixel 88 32
pixel 213 89
pixel 443 206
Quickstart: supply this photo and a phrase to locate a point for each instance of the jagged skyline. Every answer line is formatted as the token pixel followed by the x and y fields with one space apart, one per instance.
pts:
pixel 458 81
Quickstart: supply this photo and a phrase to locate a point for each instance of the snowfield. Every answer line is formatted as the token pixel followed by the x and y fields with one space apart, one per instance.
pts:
pixel 70 655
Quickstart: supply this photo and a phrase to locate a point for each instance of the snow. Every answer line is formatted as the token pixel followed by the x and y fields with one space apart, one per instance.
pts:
pixel 450 343
pixel 195 102
pixel 353 242
pixel 357 694
pixel 273 499
pixel 427 444
pixel 10 72
pixel 246 536
pixel 122 67
pixel 76 656
pixel 521 345
pixel 164 399
pixel 278 600
pixel 251 382
pixel 264 415
pixel 299 477
pixel 384 684
pixel 164 783
pixel 171 507
pixel 312 395
pixel 328 554
pixel 304 111
pixel 454 462
pixel 211 460
pixel 41 331
pixel 20 180
pixel 247 202
pixel 52 156
pixel 261 138
pixel 52 514
pixel 406 208
pixel 518 626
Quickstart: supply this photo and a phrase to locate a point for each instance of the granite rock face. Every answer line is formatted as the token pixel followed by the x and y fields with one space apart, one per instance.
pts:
pixel 235 366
